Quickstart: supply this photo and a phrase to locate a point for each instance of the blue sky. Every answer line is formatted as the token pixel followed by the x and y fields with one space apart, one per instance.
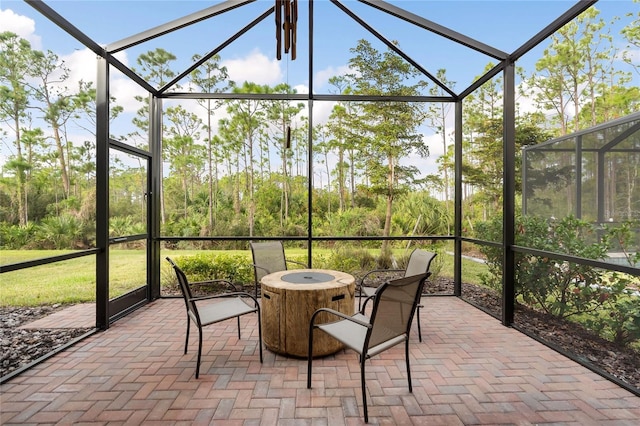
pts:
pixel 504 25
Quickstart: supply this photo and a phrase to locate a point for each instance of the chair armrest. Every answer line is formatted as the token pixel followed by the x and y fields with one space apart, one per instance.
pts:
pixel 298 263
pixel 223 295
pixel 217 281
pixel 379 271
pixel 364 304
pixel 261 267
pixel 339 314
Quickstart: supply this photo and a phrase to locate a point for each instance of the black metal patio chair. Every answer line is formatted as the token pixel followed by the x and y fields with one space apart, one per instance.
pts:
pixel 419 263
pixel 394 305
pixel 269 257
pixel 203 311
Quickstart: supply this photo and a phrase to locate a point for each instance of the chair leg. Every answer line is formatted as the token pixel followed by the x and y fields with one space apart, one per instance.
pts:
pixel 260 333
pixel 310 356
pixel 364 389
pixel 199 351
pixel 186 340
pixel 418 321
pixel 239 328
pixel 408 366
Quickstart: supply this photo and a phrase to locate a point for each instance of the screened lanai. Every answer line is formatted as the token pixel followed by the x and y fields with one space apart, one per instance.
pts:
pixel 595 170
pixel 294 160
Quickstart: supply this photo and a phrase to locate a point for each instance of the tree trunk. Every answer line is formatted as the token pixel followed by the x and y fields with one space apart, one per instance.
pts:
pixel 61 159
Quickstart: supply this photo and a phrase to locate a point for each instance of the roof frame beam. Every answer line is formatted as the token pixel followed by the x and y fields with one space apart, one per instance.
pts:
pixel 393 47
pixel 175 25
pixel 226 43
pixel 550 29
pixel 67 26
pixel 436 28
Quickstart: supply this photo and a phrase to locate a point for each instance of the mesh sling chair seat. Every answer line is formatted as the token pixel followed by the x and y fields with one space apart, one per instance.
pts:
pixel 231 305
pixel 268 257
pixel 394 305
pixel 419 263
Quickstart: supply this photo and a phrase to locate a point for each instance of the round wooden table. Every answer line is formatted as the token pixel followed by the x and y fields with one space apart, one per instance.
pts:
pixel 289 299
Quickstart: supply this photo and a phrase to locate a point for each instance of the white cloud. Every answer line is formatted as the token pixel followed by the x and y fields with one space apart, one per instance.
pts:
pixel 125 91
pixel 434 142
pixel 82 66
pixel 322 77
pixel 301 89
pixel 256 68
pixel 23 26
pixel 322 111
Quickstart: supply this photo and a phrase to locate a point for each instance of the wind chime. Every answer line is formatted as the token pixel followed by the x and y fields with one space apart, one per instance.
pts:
pixel 287 9
pixel 286 23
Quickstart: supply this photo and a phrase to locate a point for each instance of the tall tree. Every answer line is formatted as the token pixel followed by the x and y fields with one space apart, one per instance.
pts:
pixel 566 77
pixel 345 142
pixel 211 78
pixel 631 33
pixel 15 59
pixel 85 118
pixel 154 67
pixel 55 103
pixel 437 120
pixel 245 125
pixel 182 151
pixel 390 128
pixel 322 148
pixel 282 116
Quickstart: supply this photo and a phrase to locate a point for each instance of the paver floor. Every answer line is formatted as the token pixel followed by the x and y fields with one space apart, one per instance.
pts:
pixel 469 370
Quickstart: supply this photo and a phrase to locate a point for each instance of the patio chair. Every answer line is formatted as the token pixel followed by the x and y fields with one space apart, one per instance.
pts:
pixel 394 305
pixel 419 263
pixel 268 257
pixel 231 305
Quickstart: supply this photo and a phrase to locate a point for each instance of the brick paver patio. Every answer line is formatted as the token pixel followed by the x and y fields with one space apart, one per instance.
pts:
pixel 469 370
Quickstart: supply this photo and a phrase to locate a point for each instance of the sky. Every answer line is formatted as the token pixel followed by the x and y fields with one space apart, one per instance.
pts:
pixel 504 25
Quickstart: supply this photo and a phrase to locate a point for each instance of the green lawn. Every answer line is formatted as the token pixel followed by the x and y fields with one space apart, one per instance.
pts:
pixel 73 281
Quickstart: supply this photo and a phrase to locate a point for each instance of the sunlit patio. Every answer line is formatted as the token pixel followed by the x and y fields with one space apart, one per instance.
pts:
pixel 469 369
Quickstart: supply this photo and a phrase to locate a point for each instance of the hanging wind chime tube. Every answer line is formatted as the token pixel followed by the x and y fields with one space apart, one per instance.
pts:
pixel 286 23
pixel 288 138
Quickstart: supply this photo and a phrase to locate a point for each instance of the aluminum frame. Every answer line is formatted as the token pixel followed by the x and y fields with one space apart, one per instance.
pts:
pixel 106 59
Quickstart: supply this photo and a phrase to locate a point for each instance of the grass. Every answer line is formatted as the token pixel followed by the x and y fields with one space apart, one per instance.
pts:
pixel 73 281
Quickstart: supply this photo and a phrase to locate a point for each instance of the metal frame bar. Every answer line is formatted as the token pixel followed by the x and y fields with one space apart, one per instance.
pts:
pixel 607 125
pixel 226 43
pixel 174 25
pixel 102 195
pixel 508 195
pixel 155 144
pixel 457 200
pixel 304 97
pixel 436 28
pixel 66 26
pixel 550 29
pixel 578 178
pixel 45 261
pixel 393 47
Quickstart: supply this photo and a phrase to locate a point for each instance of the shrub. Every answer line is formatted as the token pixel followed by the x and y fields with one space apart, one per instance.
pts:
pixel 209 266
pixel 14 237
pixel 60 232
pixel 599 299
pixel 557 287
pixel 348 259
pixel 620 323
